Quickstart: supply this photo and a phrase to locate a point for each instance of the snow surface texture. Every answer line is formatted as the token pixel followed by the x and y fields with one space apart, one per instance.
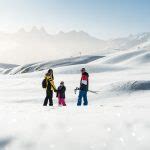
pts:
pixel 117 118
pixel 7 66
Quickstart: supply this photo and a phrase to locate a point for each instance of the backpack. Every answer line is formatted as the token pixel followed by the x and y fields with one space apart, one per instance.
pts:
pixel 44 83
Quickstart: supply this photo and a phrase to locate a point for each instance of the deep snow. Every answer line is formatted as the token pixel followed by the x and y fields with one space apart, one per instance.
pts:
pixel 117 118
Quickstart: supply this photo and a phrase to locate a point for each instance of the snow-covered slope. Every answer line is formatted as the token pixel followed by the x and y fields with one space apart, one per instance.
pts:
pixel 121 60
pixel 7 66
pixel 117 118
pixel 4 67
pixel 52 64
pixel 1 70
pixel 126 58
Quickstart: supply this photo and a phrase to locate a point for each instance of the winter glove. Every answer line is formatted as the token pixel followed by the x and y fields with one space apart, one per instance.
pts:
pixel 55 90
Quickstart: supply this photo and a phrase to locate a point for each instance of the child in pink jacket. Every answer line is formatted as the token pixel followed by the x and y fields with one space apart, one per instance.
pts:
pixel 61 94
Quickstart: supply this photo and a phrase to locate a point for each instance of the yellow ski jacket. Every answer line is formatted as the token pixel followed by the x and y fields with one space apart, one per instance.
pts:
pixel 51 80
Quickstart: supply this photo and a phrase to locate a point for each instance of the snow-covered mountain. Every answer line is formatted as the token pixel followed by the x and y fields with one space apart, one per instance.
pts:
pixel 137 54
pixel 141 40
pixel 37 45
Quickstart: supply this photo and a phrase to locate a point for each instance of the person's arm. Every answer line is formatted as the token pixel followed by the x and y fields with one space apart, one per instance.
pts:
pixel 53 86
pixel 63 89
pixel 57 92
pixel 87 81
pixel 80 87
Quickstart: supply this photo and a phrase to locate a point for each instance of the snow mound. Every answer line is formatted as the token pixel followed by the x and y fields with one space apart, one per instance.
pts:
pixel 123 56
pixel 1 70
pixel 7 66
pixel 131 86
pixel 140 59
pixel 128 59
pixel 52 64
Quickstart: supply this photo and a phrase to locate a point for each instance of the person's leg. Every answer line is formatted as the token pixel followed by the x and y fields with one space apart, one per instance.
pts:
pixel 50 97
pixel 50 101
pixel 63 102
pixel 80 98
pixel 85 98
pixel 59 101
pixel 45 101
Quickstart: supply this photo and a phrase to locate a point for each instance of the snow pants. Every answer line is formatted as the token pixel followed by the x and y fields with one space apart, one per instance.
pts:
pixel 49 96
pixel 82 95
pixel 61 101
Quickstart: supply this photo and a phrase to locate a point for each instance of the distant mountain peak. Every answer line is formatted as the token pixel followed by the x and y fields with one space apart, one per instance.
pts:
pixel 73 32
pixel 140 36
pixel 61 32
pixel 21 30
pixel 83 32
pixel 79 33
pixel 40 30
pixel 43 30
pixel 34 29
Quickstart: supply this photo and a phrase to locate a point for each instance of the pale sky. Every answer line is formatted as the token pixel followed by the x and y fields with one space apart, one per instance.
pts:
pixel 100 18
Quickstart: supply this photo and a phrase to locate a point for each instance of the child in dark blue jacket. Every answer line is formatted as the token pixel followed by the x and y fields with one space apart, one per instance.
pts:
pixel 61 94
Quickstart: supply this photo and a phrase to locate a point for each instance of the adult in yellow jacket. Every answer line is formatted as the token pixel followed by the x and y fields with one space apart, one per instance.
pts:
pixel 50 87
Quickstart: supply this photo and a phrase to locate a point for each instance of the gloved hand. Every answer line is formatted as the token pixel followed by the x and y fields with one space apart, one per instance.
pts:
pixel 55 90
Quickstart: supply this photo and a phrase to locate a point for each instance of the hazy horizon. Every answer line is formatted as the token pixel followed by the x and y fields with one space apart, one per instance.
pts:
pixel 29 29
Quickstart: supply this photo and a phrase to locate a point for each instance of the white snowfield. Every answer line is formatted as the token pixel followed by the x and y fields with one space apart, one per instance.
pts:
pixel 117 118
